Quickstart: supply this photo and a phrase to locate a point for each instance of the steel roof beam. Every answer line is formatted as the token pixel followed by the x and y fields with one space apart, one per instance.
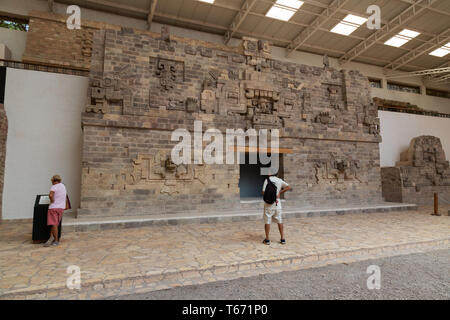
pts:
pixel 420 73
pixel 393 25
pixel 443 65
pixel 440 79
pixel 343 11
pixel 446 13
pixel 437 42
pixel 301 38
pixel 151 13
pixel 238 19
pixel 144 13
pixel 260 36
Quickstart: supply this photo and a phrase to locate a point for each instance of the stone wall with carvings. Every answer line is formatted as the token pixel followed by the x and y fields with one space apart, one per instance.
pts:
pixel 143 86
pixel 421 171
pixel 3 135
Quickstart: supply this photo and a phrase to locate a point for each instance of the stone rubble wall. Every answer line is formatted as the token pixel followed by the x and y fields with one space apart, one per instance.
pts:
pixel 422 171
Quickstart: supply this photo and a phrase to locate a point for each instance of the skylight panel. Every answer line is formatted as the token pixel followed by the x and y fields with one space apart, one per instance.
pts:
pixel 284 9
pixel 294 4
pixel 442 51
pixel 344 29
pixel 409 33
pixel 349 24
pixel 401 38
pixel 396 41
pixel 280 13
pixel 355 19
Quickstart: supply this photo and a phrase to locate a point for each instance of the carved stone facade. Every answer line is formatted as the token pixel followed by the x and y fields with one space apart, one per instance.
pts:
pixel 103 93
pixel 3 136
pixel 143 87
pixel 421 171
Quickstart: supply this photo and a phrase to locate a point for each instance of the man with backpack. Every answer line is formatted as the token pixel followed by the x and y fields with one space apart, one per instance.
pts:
pixel 272 189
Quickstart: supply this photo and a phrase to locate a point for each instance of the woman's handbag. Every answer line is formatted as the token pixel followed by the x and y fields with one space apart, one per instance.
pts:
pixel 68 206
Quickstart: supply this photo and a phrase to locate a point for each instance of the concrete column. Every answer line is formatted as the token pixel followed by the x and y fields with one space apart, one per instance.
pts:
pixel 423 90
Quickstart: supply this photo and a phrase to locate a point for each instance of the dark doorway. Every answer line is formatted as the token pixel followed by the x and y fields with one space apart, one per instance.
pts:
pixel 2 84
pixel 251 180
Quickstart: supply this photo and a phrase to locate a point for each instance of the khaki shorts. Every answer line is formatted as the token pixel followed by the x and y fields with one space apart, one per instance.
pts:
pixel 272 212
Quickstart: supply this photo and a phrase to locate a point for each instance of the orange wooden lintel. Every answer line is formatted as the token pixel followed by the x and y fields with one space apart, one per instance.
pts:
pixel 266 150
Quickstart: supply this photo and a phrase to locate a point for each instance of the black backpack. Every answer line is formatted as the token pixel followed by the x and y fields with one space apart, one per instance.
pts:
pixel 270 194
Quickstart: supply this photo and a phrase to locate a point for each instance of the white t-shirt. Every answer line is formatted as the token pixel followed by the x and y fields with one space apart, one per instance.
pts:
pixel 59 197
pixel 280 184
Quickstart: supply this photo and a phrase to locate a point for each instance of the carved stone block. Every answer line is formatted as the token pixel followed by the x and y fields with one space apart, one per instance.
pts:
pixel 339 172
pixel 206 52
pixel 167 72
pixel 191 105
pixel 423 169
pixel 165 33
pixel 101 92
pixel 188 49
pixel 208 101
pixel 323 118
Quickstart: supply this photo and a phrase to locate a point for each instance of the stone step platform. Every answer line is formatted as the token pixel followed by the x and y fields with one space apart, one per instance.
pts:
pixel 82 224
pixel 124 261
pixel 123 285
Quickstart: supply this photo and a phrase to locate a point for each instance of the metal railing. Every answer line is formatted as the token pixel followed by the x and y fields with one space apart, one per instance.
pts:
pixel 413 111
pixel 437 199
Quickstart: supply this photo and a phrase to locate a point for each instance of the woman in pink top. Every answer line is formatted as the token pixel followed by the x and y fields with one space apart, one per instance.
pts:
pixel 58 194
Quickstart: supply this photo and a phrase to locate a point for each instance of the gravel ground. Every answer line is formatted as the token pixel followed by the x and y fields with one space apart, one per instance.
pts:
pixel 415 276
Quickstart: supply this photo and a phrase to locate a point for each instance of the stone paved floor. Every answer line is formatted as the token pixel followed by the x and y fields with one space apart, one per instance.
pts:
pixel 148 256
pixel 419 276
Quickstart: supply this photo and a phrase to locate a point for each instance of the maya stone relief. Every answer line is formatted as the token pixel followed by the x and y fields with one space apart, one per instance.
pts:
pixel 424 164
pixel 251 87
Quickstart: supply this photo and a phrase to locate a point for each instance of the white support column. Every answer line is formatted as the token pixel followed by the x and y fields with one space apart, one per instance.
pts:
pixel 151 13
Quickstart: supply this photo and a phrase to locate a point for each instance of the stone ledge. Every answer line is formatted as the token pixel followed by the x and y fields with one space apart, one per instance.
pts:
pixel 83 225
